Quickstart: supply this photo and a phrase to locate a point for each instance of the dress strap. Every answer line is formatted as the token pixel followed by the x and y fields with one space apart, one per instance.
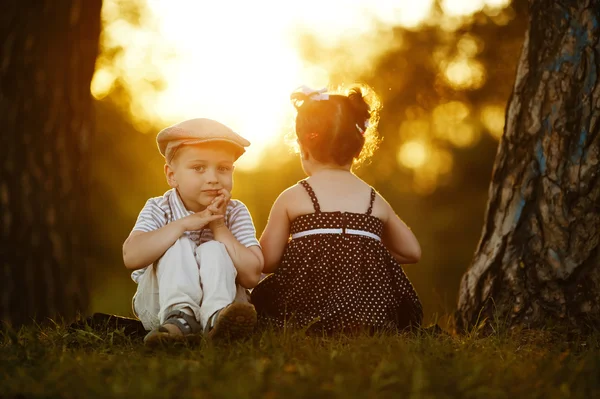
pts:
pixel 372 202
pixel 311 194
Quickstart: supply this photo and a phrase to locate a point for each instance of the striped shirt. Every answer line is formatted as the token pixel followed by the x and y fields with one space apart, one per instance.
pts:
pixel 159 211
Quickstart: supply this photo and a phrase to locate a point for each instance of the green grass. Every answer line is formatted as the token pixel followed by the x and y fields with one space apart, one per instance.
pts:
pixel 52 362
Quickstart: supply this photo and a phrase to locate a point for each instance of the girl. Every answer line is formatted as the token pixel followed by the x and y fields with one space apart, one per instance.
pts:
pixel 341 269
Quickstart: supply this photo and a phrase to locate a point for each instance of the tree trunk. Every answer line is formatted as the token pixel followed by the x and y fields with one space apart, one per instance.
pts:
pixel 47 56
pixel 537 261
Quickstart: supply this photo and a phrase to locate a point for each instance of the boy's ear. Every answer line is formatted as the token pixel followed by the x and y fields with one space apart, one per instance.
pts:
pixel 170 175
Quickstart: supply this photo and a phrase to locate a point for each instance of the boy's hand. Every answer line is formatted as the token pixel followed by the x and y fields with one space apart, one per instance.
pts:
pixel 219 207
pixel 199 220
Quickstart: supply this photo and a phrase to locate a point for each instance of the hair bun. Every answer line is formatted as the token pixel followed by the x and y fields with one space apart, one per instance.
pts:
pixel 355 94
pixel 360 106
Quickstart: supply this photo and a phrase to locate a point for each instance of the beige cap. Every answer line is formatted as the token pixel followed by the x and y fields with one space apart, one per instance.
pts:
pixel 196 131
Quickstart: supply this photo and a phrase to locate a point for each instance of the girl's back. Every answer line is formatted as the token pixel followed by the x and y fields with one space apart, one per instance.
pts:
pixel 336 191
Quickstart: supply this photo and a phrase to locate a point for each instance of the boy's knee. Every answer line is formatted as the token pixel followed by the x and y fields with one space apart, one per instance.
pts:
pixel 213 252
pixel 183 243
pixel 183 248
pixel 212 245
pixel 185 240
pixel 213 248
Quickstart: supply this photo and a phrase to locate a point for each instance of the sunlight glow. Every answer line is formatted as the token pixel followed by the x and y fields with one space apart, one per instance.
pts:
pixel 421 151
pixel 450 121
pixel 413 154
pixel 414 129
pixel 425 180
pixel 449 114
pixel 497 3
pixel 492 117
pixel 102 82
pixel 427 176
pixel 468 46
pixel 465 73
pixel 463 135
pixel 406 13
pixel 189 59
pixel 461 8
pixel 237 63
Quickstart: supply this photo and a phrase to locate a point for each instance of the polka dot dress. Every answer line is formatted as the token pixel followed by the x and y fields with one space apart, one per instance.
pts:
pixel 337 282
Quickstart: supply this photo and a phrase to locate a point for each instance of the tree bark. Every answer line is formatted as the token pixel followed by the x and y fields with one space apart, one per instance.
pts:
pixel 47 56
pixel 537 262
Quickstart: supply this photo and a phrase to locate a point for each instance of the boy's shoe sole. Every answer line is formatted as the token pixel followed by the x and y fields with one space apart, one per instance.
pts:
pixel 234 321
pixel 155 338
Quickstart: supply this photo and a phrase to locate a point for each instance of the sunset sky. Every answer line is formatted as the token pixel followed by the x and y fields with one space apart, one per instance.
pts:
pixel 239 62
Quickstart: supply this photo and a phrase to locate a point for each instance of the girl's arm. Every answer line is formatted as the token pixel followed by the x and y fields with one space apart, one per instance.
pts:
pixel 276 234
pixel 399 239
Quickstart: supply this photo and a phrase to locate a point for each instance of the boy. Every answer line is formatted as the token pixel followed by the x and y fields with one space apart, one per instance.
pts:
pixel 194 250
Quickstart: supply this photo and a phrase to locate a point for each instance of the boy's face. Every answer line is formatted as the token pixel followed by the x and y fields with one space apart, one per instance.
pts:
pixel 199 171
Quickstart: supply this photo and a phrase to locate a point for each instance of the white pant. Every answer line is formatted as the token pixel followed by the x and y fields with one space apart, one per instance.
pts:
pixel 200 278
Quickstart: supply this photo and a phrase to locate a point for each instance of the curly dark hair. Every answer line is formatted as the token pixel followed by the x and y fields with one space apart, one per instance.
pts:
pixel 341 129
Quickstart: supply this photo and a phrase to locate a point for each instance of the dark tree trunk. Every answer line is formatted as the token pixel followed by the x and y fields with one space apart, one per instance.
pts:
pixel 537 261
pixel 47 56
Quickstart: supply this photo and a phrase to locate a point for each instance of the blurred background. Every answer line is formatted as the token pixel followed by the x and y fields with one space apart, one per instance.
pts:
pixel 444 70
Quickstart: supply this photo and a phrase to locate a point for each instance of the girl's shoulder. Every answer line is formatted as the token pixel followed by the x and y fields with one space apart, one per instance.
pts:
pixel 295 201
pixel 290 193
pixel 381 208
pixel 287 198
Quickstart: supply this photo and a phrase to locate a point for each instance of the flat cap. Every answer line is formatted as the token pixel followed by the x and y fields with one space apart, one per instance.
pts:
pixel 196 131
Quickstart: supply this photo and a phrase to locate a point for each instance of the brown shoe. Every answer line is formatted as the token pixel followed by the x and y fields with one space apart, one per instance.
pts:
pixel 234 321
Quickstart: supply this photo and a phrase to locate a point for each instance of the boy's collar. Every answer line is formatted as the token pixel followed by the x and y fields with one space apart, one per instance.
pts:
pixel 179 209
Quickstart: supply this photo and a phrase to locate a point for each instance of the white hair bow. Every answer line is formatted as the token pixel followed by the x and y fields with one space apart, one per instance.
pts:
pixel 315 95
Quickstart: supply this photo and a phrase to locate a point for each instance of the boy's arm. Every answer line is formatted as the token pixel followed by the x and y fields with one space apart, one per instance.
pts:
pixel 248 261
pixel 399 239
pixel 276 235
pixel 144 248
